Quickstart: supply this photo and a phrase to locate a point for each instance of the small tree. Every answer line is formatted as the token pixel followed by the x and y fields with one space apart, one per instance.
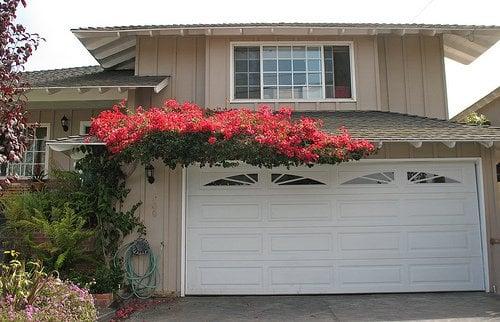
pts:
pixel 16 46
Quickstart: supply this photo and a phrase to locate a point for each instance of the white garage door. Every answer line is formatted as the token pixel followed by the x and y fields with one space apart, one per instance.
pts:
pixel 354 228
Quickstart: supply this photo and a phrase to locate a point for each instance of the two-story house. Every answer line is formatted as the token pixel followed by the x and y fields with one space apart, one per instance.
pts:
pixel 418 216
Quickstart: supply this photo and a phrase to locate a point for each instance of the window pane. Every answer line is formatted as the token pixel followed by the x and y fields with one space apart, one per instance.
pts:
pixel 285 65
pixel 269 52
pixel 269 65
pixel 241 79
pixel 329 65
pixel 314 65
pixel 299 52
pixel 284 52
pixel 342 72
pixel 254 66
pixel 285 92
pixel 328 91
pixel 270 92
pixel 299 65
pixel 241 66
pixel 270 79
pixel 299 79
pixel 254 92
pixel 285 79
pixel 315 92
pixel 313 52
pixel 240 53
pixel 241 92
pixel 298 91
pixel 315 79
pixel 328 78
pixel 254 53
pixel 246 72
pixel 41 132
pixel 254 79
pixel 328 52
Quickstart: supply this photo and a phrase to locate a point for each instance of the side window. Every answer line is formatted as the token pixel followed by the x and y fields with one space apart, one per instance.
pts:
pixel 35 158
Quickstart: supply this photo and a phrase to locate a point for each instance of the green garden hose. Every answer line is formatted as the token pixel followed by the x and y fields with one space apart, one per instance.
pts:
pixel 141 285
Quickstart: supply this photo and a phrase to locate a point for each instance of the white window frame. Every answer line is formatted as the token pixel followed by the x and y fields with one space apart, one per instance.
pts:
pixel 83 125
pixel 261 44
pixel 46 165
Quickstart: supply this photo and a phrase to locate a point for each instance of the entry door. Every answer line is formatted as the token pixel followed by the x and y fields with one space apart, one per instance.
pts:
pixel 353 228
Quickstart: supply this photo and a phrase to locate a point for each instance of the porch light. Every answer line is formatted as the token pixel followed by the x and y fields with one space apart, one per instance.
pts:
pixel 65 123
pixel 150 173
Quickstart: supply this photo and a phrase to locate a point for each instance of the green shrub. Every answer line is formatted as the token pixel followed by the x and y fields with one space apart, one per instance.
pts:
pixel 102 280
pixel 45 228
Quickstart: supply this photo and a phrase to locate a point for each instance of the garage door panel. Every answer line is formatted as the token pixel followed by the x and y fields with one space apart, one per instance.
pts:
pixel 300 210
pixel 416 228
pixel 328 276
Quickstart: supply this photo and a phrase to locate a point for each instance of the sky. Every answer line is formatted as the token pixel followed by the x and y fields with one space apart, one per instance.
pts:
pixel 53 19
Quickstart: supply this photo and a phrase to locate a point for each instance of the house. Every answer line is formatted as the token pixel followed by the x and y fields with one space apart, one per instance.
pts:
pixel 489 106
pixel 417 216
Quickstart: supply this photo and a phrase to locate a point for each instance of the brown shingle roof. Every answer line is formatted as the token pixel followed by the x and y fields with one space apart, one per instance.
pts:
pixel 291 24
pixel 396 127
pixel 379 127
pixel 89 76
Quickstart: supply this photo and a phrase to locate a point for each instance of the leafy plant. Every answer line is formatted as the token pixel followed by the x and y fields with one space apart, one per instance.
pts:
pixel 31 295
pixel 46 228
pixel 20 282
pixel 100 196
pixel 102 280
pixel 477 119
pixel 38 175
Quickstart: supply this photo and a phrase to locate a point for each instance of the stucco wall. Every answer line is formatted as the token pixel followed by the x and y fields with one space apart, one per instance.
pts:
pixel 161 210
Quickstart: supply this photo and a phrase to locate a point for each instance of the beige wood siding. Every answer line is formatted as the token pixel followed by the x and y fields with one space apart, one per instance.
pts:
pixel 181 58
pixel 162 207
pixel 392 73
pixel 412 75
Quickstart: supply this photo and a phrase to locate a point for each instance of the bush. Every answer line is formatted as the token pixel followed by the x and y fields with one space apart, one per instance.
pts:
pixel 28 294
pixel 51 230
pixel 103 280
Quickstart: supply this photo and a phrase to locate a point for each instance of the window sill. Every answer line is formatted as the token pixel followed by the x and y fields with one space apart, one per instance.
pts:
pixel 264 101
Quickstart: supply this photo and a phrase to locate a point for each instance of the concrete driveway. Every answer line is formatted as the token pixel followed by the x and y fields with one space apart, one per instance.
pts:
pixel 460 306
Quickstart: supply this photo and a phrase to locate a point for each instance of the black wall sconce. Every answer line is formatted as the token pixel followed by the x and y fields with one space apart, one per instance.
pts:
pixel 150 173
pixel 65 123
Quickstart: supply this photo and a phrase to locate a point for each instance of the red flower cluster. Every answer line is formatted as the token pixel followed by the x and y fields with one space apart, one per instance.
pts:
pixel 296 139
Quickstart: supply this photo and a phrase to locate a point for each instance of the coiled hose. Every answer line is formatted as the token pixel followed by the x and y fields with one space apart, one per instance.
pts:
pixel 141 285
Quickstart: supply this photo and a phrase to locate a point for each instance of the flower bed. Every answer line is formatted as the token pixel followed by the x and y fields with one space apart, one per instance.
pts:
pixel 186 134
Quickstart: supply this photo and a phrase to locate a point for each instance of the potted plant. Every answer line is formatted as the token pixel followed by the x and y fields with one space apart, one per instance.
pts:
pixel 107 281
pixel 38 179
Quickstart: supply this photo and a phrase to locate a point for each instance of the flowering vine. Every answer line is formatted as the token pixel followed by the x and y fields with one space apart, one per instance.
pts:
pixel 186 134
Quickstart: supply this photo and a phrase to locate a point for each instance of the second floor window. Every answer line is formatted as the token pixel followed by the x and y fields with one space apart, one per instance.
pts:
pixel 303 72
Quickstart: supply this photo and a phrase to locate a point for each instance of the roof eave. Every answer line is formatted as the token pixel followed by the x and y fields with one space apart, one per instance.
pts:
pixel 112 47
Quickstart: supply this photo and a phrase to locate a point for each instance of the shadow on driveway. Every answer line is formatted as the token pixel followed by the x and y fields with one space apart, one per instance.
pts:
pixel 457 306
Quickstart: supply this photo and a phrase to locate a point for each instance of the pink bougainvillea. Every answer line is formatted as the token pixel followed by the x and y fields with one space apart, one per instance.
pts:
pixel 301 139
